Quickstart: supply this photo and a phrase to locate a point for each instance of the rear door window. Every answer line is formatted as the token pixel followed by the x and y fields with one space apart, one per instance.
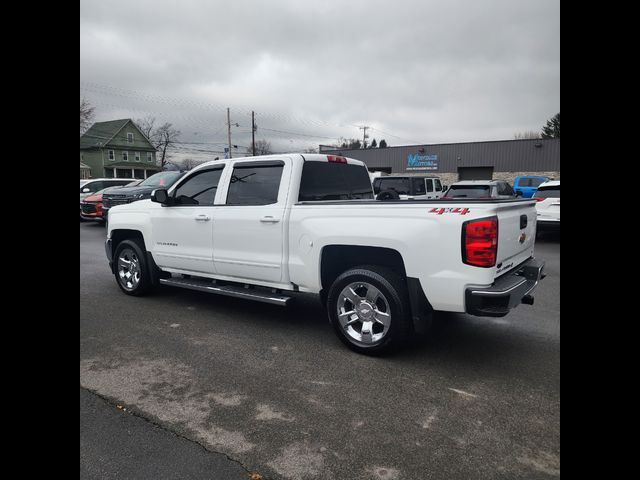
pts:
pixel 505 189
pixel 429 185
pixel 537 181
pixel 255 183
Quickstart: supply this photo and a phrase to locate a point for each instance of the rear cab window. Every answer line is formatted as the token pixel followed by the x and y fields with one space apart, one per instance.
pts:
pixel 335 181
pixel 400 185
pixel 418 186
pixel 469 191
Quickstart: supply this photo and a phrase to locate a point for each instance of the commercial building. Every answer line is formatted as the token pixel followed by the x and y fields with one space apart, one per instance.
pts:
pixel 498 160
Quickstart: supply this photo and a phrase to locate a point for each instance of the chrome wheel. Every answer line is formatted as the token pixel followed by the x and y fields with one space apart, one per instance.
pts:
pixel 363 313
pixel 128 269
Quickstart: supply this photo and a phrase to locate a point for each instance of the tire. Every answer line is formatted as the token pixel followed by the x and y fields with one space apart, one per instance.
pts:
pixel 380 322
pixel 135 279
pixel 388 195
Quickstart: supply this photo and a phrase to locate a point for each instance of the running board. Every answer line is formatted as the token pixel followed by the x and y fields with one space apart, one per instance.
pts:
pixel 237 291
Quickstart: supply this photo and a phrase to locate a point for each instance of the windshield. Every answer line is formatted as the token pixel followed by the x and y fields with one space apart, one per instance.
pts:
pixel 548 192
pixel 161 179
pixel 468 191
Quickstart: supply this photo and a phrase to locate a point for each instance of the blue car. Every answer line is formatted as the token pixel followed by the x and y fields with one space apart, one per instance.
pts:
pixel 526 185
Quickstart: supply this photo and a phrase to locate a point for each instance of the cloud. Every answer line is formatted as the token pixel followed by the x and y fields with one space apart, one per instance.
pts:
pixel 423 71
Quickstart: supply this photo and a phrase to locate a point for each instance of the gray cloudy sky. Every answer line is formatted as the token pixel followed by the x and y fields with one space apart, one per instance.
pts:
pixel 419 71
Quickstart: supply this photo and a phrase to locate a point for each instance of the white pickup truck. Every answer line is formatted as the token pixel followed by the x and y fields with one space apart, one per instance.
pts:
pixel 260 228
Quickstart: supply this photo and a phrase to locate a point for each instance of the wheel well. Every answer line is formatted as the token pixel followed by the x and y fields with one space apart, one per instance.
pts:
pixel 118 236
pixel 339 258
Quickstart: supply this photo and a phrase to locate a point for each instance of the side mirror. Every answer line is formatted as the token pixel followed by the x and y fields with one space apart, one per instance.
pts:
pixel 160 195
pixel 518 193
pixel 86 190
pixel 444 188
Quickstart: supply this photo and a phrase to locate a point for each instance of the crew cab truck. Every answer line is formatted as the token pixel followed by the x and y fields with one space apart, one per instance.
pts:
pixel 260 228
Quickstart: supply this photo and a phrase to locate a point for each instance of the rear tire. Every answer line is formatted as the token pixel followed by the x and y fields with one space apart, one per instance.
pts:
pixel 131 268
pixel 388 195
pixel 368 307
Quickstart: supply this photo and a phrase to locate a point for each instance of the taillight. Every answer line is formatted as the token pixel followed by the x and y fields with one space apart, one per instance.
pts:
pixel 480 242
pixel 336 159
pixel 538 199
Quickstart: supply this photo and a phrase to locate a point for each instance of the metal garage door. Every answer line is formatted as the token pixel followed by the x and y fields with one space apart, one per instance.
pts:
pixel 475 173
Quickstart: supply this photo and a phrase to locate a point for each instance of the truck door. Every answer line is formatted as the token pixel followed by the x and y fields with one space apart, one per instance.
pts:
pixel 183 232
pixel 249 229
pixel 429 183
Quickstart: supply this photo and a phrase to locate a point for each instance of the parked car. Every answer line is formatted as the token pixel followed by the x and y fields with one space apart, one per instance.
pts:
pixel 526 185
pixel 89 187
pixel 547 198
pixel 479 189
pixel 139 192
pixel 91 207
pixel 407 187
pixel 259 228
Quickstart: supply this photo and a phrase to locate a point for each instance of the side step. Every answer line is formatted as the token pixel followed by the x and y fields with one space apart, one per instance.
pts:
pixel 205 285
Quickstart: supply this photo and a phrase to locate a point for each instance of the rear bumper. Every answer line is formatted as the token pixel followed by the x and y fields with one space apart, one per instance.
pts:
pixel 507 292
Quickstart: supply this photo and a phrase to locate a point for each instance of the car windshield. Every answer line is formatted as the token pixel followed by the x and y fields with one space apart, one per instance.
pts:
pixel 161 179
pixel 468 191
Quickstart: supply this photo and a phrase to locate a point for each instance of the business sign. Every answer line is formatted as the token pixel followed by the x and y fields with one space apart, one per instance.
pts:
pixel 416 161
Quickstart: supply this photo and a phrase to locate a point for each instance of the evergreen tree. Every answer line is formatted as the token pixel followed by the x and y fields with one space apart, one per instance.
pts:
pixel 552 128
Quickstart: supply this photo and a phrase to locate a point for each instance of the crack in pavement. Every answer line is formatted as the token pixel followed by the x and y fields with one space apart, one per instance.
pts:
pixel 140 414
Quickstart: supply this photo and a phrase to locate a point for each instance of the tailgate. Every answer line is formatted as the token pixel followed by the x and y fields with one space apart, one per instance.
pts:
pixel 516 234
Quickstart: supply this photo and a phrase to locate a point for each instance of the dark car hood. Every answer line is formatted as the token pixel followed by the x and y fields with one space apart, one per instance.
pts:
pixel 129 191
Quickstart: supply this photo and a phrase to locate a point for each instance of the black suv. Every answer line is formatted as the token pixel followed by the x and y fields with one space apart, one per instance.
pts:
pixel 139 192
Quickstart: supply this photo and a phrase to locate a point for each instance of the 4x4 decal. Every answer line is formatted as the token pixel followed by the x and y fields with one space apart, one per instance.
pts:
pixel 440 211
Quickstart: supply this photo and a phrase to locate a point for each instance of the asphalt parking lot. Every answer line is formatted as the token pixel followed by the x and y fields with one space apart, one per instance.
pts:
pixel 242 387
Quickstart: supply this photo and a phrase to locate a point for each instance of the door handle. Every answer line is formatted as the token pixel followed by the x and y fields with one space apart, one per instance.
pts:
pixel 203 218
pixel 269 219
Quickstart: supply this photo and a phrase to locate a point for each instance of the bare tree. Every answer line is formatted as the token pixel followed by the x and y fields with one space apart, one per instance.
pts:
pixel 146 126
pixel 189 163
pixel 161 137
pixel 263 147
pixel 532 135
pixel 165 137
pixel 86 115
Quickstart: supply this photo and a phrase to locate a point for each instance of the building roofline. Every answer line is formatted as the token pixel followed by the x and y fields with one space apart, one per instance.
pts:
pixel 336 149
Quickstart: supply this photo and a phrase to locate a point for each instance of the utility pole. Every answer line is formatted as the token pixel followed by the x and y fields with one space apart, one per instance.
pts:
pixel 364 136
pixel 253 133
pixel 229 129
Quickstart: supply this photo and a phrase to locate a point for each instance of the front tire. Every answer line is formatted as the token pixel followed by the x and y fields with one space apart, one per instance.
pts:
pixel 368 308
pixel 131 268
